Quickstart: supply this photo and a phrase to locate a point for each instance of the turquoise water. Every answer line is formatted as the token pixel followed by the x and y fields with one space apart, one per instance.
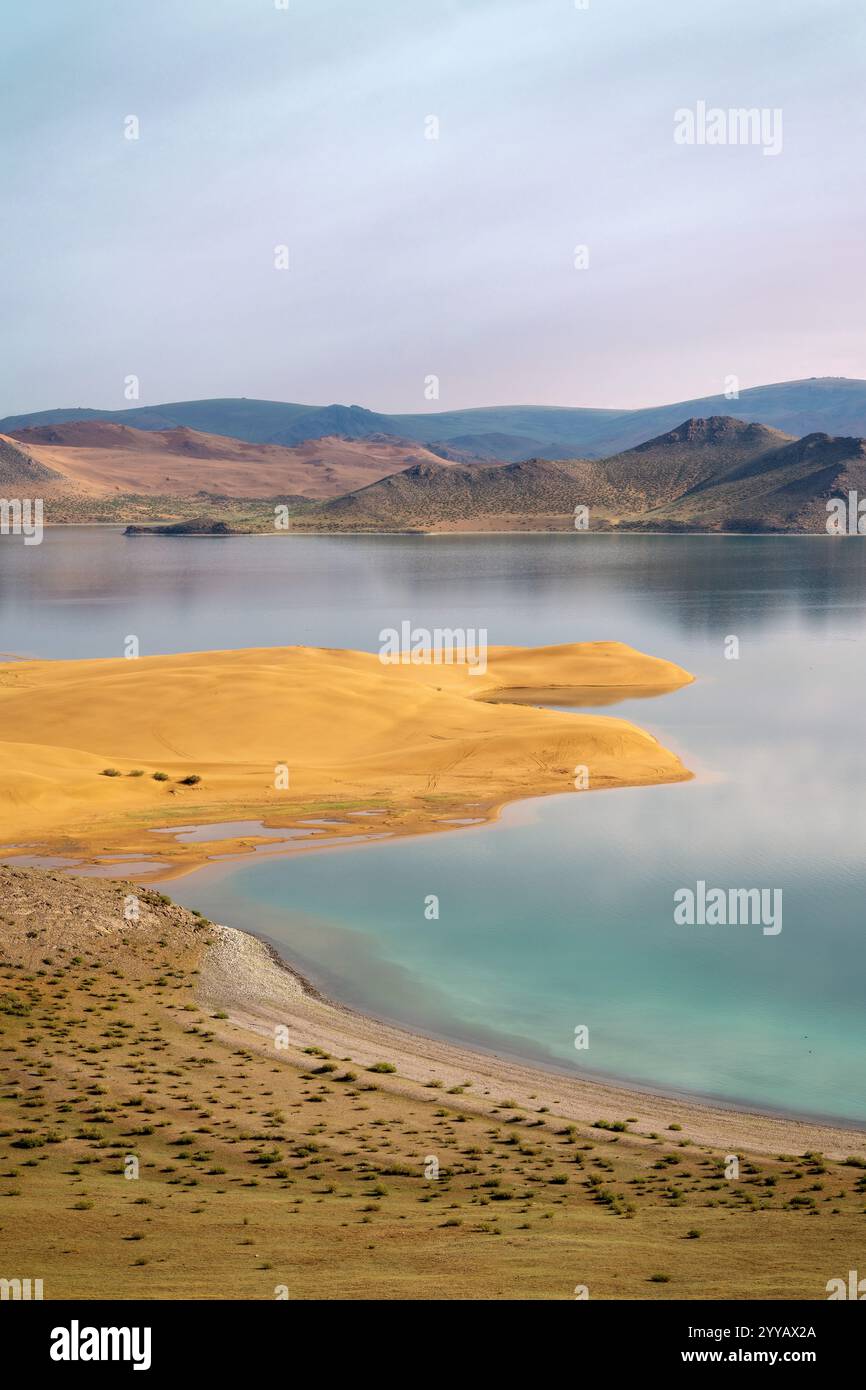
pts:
pixel 562 914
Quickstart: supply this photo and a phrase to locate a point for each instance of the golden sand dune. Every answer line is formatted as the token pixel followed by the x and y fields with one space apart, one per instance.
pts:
pixel 344 729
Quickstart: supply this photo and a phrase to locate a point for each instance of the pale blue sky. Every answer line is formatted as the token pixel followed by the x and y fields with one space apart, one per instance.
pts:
pixel 412 257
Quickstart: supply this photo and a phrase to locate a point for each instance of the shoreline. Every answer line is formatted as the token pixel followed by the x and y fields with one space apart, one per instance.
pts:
pixel 246 977
pixel 507 531
pixel 154 862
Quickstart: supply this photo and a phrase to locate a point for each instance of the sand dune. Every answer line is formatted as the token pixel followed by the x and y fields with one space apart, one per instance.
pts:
pixel 415 741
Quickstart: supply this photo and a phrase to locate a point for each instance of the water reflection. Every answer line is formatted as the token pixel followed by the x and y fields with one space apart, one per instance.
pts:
pixel 84 588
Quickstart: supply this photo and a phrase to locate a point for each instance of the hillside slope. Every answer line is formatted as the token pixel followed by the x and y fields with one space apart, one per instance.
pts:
pixel 706 474
pixel 102 457
pixel 21 471
pixel 430 494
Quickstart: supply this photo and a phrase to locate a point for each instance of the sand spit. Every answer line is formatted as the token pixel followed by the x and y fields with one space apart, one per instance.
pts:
pixel 95 754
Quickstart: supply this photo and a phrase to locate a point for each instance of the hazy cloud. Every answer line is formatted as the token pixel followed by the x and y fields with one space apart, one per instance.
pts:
pixel 412 256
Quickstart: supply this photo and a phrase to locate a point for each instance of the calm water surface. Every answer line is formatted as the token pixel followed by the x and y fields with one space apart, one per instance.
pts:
pixel 562 914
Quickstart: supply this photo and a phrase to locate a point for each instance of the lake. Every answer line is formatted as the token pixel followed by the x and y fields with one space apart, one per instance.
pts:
pixel 560 916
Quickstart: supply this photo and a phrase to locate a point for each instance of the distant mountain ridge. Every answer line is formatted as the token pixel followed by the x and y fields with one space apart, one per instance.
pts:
pixel 830 405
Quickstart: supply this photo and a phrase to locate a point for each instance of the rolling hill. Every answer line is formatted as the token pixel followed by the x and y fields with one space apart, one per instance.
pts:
pixel 432 495
pixel 99 457
pixel 785 489
pixel 831 405
pixel 711 473
pixel 704 475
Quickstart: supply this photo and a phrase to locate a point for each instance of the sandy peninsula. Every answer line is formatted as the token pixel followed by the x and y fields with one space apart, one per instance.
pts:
pixel 95 754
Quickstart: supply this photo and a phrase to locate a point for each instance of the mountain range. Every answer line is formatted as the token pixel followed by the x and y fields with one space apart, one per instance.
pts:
pixel 712 474
pixel 831 405
pixel 716 472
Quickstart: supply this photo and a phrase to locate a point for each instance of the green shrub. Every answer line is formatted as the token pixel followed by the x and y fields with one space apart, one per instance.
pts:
pixel 11 1004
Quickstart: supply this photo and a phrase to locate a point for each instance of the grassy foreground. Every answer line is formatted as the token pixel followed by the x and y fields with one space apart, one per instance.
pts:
pixel 262 1170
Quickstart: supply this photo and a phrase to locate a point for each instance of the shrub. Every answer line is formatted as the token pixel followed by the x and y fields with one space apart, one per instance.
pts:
pixel 160 777
pixel 136 772
pixel 110 772
pixel 382 1066
pixel 11 1004
pixel 190 781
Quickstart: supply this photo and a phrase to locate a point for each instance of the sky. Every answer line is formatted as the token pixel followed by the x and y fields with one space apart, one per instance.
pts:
pixel 419 265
